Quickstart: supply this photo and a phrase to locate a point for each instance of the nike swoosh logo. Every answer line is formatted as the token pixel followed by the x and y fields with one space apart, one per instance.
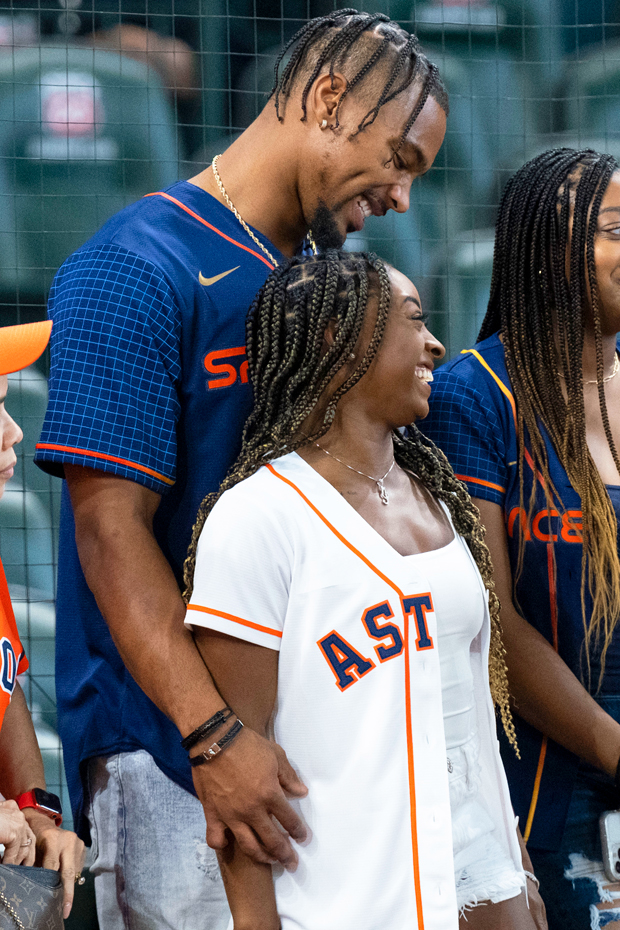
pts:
pixel 207 282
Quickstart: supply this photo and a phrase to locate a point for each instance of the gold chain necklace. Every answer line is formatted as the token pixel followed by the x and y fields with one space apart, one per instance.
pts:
pixel 383 494
pixel 218 181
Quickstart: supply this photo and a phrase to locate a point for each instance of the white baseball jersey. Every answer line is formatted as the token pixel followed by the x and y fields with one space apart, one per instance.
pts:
pixel 285 562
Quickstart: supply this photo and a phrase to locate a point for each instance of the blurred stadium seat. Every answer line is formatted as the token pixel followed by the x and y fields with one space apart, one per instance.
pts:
pixel 590 89
pixel 82 133
pixel 459 290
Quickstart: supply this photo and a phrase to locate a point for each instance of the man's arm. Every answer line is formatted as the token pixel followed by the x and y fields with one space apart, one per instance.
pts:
pixel 246 676
pixel 139 598
pixel 21 769
pixel 546 693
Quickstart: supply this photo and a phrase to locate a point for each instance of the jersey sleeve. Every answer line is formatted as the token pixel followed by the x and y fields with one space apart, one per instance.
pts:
pixel 464 422
pixel 115 362
pixel 243 571
pixel 11 650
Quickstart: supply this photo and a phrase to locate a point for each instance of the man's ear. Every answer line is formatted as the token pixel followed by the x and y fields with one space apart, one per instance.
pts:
pixel 324 97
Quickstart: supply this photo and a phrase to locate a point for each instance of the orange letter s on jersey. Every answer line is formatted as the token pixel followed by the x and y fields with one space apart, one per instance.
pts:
pixel 215 365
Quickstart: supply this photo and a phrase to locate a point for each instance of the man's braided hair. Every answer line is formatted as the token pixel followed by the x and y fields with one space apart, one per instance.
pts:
pixel 549 210
pixel 291 371
pixel 365 47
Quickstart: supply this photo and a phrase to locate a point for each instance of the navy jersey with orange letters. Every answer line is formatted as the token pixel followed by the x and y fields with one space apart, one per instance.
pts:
pixel 472 418
pixel 148 382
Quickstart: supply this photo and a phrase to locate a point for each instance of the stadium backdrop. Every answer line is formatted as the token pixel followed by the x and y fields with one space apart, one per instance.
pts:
pixel 102 101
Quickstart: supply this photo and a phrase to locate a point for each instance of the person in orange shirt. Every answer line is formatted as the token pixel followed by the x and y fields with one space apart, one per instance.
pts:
pixel 30 818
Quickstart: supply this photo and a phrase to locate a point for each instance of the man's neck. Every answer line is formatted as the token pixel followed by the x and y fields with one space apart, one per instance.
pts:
pixel 260 179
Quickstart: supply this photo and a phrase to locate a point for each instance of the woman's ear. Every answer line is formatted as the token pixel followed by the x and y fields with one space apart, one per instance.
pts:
pixel 331 331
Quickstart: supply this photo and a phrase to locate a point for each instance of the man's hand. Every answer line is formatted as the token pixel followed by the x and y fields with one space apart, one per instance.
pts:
pixel 243 789
pixel 15 835
pixel 58 850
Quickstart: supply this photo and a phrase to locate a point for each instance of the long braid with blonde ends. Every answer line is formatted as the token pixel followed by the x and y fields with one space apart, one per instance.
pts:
pixel 290 369
pixel 418 454
pixel 550 205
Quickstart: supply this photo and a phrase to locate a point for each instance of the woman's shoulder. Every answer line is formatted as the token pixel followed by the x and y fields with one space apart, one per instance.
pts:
pixel 258 497
pixel 479 367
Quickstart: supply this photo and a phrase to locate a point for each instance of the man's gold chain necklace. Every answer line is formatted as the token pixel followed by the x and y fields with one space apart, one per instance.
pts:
pixel 254 238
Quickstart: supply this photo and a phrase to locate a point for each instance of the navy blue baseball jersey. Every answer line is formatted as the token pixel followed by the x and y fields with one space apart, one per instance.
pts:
pixel 473 418
pixel 148 382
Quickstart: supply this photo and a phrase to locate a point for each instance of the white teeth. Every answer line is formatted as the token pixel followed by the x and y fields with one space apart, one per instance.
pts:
pixel 365 208
pixel 424 374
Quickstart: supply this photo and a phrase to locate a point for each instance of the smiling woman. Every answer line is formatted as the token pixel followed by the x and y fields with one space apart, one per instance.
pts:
pixel 530 418
pixel 339 551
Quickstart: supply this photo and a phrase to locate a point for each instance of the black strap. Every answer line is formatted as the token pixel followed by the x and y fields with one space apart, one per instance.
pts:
pixel 213 723
pixel 209 754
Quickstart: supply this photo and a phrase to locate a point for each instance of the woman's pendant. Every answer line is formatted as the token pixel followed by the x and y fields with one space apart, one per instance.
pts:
pixel 383 494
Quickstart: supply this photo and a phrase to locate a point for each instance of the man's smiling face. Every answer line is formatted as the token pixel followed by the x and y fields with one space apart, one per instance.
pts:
pixel 351 177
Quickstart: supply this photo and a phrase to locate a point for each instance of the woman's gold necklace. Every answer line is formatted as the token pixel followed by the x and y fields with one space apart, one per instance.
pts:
pixel 383 494
pixel 218 181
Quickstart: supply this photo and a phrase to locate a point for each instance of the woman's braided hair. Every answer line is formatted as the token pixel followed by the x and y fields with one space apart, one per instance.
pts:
pixel 549 207
pixel 366 47
pixel 291 370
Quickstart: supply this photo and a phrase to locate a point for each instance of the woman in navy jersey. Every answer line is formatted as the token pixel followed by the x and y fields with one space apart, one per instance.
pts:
pixel 530 420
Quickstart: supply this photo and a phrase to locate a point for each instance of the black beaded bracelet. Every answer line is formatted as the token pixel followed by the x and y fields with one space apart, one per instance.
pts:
pixel 209 754
pixel 213 723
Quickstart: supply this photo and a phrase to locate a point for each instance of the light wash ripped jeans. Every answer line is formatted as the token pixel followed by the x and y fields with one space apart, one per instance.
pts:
pixel 577 893
pixel 153 869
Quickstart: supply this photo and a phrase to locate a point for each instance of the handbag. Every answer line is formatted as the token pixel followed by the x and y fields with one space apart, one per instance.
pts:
pixel 30 898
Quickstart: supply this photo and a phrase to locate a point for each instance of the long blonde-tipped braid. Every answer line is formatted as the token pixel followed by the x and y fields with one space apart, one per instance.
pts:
pixel 550 206
pixel 419 455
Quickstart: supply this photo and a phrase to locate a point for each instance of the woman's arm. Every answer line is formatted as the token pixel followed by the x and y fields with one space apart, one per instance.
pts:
pixel 21 768
pixel 246 676
pixel 545 691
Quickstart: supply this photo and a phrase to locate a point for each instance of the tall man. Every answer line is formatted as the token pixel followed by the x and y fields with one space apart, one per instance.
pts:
pixel 148 395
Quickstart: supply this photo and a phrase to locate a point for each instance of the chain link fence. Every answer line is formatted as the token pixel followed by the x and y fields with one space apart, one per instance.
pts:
pixel 102 101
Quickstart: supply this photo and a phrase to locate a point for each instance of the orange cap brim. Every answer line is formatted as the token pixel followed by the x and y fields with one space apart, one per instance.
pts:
pixel 20 346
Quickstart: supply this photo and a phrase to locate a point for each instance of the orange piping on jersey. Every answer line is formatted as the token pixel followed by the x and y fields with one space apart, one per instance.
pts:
pixel 553 600
pixel 553 604
pixel 212 228
pixel 411 768
pixel 509 395
pixel 344 541
pixel 108 458
pixel 496 378
pixel 410 761
pixel 220 613
pixel 552 592
pixel 486 484
pixel 534 801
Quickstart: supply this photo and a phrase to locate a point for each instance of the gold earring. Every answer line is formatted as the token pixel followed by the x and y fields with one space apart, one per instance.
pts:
pixel 324 124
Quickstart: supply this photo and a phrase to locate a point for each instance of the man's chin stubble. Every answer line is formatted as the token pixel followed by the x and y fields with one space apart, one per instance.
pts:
pixel 325 229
